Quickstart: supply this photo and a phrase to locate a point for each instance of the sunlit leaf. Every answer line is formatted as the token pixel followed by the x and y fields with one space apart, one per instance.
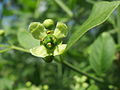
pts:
pixel 26 40
pixel 100 13
pixel 102 53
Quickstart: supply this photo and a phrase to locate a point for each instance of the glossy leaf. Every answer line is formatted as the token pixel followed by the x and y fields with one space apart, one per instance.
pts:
pixel 100 13
pixel 102 53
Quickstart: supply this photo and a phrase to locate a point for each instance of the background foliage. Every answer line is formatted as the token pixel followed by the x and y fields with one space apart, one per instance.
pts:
pixel 97 52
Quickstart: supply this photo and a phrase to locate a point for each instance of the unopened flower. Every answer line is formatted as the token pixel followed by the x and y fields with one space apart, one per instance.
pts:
pixel 50 40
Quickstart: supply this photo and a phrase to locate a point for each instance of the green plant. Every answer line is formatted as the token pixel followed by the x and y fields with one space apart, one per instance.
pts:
pixel 96 59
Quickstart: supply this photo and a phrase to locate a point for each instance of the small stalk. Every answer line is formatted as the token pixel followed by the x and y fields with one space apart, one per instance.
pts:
pixel 20 49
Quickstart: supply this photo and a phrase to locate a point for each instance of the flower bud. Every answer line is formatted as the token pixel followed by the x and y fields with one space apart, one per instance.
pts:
pixel 48 23
pixel 49 42
pixel 85 85
pixel 28 84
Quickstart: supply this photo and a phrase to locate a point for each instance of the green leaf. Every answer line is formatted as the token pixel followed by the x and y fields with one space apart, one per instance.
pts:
pixel 102 53
pixel 100 13
pixel 26 40
pixel 93 87
pixel 6 84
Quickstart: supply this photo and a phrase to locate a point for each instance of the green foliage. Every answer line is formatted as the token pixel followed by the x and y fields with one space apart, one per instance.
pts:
pixel 93 87
pixel 93 63
pixel 6 84
pixel 26 40
pixel 100 12
pixel 102 53
pixel 64 7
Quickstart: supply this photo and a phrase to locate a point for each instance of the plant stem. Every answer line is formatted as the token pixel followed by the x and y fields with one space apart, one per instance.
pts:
pixel 60 61
pixel 20 49
pixel 2 45
pixel 81 72
pixel 8 47
pixel 77 70
pixel 5 50
pixel 64 7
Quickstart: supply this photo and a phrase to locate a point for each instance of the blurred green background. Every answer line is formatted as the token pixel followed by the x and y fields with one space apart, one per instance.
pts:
pixel 22 71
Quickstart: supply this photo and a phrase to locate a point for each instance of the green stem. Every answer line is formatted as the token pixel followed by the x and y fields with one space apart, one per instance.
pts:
pixel 2 45
pixel 91 1
pixel 59 66
pixel 61 61
pixel 113 31
pixel 81 72
pixel 20 49
pixel 77 70
pixel 5 50
pixel 8 47
pixel 70 66
pixel 64 7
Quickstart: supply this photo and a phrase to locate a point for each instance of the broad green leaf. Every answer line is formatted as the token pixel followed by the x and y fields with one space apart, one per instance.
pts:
pixel 6 83
pixel 102 53
pixel 26 40
pixel 100 13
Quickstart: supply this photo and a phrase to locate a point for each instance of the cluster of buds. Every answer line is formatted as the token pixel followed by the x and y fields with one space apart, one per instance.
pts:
pixel 50 37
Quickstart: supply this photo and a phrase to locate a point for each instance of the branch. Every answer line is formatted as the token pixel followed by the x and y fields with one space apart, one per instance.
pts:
pixel 81 72
pixel 20 49
pixel 62 61
pixel 9 47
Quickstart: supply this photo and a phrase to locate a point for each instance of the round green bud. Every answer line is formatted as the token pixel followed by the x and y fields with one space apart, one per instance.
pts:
pixel 45 87
pixel 83 78
pixel 48 23
pixel 28 84
pixel 49 41
pixel 85 85
pixel 111 86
